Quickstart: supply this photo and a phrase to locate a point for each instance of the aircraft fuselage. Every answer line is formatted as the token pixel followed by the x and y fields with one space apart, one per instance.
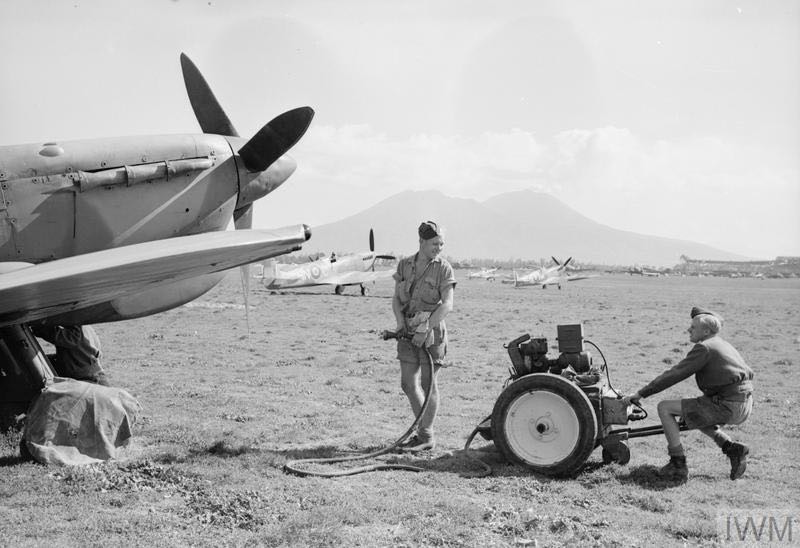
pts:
pixel 63 199
pixel 316 272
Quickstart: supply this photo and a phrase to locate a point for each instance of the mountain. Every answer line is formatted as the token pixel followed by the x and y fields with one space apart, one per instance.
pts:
pixel 520 225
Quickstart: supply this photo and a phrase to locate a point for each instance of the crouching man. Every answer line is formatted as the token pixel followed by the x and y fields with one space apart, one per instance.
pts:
pixel 77 351
pixel 726 382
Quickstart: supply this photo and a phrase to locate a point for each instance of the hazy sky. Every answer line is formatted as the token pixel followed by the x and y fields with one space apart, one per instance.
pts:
pixel 674 118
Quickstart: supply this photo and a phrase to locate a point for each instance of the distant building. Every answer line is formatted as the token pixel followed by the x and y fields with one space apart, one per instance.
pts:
pixel 781 267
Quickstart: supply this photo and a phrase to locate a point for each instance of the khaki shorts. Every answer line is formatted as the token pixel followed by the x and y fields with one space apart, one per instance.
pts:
pixel 703 412
pixel 413 355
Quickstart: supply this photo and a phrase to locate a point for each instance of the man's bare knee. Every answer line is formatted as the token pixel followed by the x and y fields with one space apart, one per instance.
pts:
pixel 669 407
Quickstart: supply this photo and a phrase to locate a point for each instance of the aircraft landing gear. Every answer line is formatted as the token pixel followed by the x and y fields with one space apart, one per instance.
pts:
pixel 364 290
pixel 339 289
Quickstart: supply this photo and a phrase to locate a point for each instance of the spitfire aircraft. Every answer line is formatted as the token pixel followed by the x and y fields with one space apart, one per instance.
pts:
pixel 551 275
pixel 355 269
pixel 640 271
pixel 483 273
pixel 103 230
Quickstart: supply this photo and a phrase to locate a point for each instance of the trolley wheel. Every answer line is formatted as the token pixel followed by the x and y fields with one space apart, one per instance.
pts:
pixel 545 422
pixel 617 452
pixel 339 289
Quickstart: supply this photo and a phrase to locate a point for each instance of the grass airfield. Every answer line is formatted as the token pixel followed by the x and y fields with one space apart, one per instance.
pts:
pixel 224 407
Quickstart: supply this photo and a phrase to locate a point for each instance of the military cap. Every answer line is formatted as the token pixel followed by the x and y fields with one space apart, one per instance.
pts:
pixel 697 311
pixel 428 230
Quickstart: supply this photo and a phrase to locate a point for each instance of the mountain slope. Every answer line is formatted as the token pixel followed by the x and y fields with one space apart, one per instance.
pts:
pixel 523 224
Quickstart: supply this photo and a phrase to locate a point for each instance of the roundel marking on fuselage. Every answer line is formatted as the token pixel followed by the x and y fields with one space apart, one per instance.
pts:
pixel 315 272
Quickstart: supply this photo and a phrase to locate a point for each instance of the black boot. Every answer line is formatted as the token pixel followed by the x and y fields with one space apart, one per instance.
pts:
pixel 737 452
pixel 675 469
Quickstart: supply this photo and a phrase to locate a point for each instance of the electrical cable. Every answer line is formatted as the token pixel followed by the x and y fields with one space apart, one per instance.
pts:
pixel 608 376
pixel 487 470
pixel 292 466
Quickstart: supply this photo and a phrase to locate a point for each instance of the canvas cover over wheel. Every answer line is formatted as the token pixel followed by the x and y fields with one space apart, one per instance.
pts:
pixel 74 422
pixel 545 422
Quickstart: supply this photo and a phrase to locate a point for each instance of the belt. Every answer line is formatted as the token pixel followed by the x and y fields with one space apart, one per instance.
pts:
pixel 734 390
pixel 742 396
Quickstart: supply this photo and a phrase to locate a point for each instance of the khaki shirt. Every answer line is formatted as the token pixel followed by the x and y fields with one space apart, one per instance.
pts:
pixel 717 368
pixel 422 291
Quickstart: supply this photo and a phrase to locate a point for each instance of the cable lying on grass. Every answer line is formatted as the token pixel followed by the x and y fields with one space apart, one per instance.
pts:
pixel 295 466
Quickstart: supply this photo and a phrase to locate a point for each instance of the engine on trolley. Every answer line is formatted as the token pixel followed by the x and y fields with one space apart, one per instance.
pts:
pixel 553 412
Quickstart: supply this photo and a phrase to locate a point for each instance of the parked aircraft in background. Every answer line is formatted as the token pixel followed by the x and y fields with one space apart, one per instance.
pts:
pixel 640 271
pixel 551 275
pixel 110 229
pixel 483 273
pixel 355 269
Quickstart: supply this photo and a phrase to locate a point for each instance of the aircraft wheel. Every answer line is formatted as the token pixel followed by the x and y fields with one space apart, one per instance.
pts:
pixel 546 423
pixel 617 452
pixel 24 453
pixel 339 289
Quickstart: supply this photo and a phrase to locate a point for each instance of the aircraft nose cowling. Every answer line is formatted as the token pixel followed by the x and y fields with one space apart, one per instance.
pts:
pixel 253 186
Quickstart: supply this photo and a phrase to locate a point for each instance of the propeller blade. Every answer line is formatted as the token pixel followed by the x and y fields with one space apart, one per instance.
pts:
pixel 206 108
pixel 555 260
pixel 372 248
pixel 275 138
pixel 387 257
pixel 243 217
pixel 567 261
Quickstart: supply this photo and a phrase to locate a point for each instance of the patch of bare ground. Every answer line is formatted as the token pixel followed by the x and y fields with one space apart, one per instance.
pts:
pixel 226 406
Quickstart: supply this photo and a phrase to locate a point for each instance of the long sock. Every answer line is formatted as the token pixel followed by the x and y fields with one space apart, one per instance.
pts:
pixel 721 439
pixel 675 451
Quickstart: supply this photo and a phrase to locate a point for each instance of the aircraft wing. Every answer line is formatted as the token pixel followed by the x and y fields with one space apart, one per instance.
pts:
pixel 577 277
pixel 355 278
pixel 35 292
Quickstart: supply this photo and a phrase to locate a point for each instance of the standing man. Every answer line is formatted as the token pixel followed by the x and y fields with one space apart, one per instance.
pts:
pixel 726 383
pixel 423 297
pixel 77 351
